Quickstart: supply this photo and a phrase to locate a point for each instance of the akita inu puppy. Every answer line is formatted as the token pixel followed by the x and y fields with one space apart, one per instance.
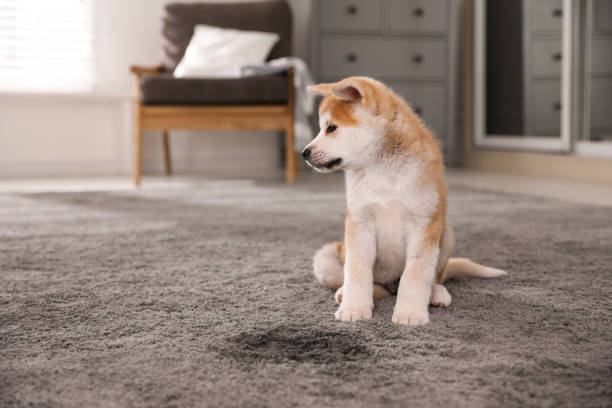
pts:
pixel 396 226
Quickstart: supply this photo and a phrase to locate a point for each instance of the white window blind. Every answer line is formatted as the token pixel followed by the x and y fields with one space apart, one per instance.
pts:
pixel 46 45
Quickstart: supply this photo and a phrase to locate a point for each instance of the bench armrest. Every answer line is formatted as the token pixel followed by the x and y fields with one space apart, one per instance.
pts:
pixel 141 71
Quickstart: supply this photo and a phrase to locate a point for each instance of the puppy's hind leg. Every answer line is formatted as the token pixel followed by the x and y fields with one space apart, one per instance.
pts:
pixel 328 265
pixel 439 296
pixel 379 292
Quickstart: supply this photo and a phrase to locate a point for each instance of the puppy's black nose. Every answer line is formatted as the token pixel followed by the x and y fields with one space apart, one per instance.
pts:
pixel 306 153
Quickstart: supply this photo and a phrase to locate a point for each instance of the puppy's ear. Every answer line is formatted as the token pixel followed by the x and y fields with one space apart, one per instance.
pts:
pixel 320 89
pixel 350 91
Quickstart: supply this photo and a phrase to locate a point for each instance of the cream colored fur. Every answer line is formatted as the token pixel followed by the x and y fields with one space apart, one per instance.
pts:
pixel 396 224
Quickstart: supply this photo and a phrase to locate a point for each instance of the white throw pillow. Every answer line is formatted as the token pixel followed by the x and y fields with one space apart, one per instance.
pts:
pixel 221 52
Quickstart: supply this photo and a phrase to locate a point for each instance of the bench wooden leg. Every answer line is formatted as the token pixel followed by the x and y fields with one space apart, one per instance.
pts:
pixel 296 162
pixel 167 160
pixel 137 145
pixel 290 156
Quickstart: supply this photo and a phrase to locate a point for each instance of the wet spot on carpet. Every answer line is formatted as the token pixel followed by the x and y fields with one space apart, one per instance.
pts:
pixel 285 343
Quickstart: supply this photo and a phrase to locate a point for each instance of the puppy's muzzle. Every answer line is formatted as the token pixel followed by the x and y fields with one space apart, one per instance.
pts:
pixel 319 160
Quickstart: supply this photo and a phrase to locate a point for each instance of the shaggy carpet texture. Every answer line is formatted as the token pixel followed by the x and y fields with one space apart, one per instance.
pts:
pixel 205 297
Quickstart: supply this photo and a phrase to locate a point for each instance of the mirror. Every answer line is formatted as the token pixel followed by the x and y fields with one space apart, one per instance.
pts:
pixel 522 62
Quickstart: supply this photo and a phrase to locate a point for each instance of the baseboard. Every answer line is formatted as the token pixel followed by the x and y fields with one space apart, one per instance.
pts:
pixel 150 165
pixel 60 169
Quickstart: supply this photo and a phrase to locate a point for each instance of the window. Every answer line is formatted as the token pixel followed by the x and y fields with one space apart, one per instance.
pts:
pixel 46 45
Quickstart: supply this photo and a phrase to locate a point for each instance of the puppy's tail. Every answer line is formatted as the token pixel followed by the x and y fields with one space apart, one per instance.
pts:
pixel 328 268
pixel 464 268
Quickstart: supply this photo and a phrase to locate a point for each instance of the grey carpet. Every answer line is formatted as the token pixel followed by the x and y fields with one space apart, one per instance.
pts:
pixel 177 297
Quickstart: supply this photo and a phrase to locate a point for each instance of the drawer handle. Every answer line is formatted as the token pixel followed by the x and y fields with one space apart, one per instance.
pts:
pixel 418 12
pixel 351 58
pixel 418 110
pixel 557 106
pixel 352 10
pixel 557 12
pixel 557 56
pixel 417 59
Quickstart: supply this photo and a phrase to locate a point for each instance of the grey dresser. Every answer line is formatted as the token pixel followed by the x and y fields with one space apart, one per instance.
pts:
pixel 411 45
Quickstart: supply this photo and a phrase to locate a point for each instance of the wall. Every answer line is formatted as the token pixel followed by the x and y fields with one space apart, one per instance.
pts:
pixel 47 134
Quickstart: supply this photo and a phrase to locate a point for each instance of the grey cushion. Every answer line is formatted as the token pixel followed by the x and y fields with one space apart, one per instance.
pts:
pixel 165 89
pixel 180 19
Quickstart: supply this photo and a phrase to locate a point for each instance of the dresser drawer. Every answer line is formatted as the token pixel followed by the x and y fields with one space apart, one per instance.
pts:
pixel 390 58
pixel 545 15
pixel 545 113
pixel 347 15
pixel 601 54
pixel 601 103
pixel 603 15
pixel 427 101
pixel 417 15
pixel 546 57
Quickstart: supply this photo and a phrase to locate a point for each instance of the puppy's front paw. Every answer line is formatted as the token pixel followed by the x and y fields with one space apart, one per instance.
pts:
pixel 410 317
pixel 352 314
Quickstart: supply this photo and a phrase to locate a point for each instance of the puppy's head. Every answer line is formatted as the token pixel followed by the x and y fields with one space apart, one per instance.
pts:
pixel 352 126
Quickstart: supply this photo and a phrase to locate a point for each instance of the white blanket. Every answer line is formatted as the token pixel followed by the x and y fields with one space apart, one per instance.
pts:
pixel 304 101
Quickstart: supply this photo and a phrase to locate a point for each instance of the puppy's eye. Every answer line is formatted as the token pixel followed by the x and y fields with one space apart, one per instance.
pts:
pixel 331 128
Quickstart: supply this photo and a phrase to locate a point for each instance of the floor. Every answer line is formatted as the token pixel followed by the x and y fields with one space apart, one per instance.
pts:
pixel 173 297
pixel 564 190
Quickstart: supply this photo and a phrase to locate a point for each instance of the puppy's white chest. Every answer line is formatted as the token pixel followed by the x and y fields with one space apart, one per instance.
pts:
pixel 392 227
pixel 395 214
